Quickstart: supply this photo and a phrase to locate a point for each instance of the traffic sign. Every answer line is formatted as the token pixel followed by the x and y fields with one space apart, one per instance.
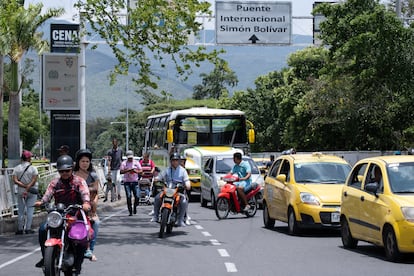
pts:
pixel 253 22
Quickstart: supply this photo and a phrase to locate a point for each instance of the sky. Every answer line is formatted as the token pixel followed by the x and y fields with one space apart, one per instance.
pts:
pixel 300 8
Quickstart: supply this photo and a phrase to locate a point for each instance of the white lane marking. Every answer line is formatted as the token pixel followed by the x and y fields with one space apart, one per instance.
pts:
pixel 231 267
pixel 206 234
pixel 215 242
pixel 117 213
pixel 19 258
pixel 223 252
pixel 198 226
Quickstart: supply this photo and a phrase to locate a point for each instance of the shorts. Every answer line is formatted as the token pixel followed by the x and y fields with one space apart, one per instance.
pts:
pixel 245 184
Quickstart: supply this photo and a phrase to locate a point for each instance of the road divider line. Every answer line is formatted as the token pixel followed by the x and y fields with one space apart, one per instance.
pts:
pixel 198 226
pixel 223 252
pixel 19 258
pixel 231 267
pixel 215 242
pixel 206 234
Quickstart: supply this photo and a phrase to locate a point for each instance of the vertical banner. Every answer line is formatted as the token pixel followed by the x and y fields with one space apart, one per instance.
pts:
pixel 60 82
pixel 65 130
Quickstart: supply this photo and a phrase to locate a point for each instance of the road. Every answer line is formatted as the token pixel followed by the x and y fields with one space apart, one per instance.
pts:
pixel 235 246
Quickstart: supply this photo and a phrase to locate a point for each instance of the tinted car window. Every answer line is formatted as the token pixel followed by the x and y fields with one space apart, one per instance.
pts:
pixel 275 167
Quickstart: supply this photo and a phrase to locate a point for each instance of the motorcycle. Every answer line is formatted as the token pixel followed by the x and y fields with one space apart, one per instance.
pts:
pixel 67 238
pixel 228 200
pixel 144 187
pixel 170 199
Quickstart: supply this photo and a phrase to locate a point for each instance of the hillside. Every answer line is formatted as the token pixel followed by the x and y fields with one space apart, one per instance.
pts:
pixel 103 100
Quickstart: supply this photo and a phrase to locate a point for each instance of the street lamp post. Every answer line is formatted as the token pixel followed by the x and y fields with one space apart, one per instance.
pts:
pixel 126 133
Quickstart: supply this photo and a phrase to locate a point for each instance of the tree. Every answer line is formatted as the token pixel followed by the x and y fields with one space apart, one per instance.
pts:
pixel 18 32
pixel 159 28
pixel 214 84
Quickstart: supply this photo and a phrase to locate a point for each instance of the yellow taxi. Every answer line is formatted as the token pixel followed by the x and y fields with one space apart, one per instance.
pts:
pixel 378 205
pixel 304 190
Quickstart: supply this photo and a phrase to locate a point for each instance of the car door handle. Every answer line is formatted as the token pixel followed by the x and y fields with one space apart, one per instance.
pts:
pixel 362 198
pixel 345 193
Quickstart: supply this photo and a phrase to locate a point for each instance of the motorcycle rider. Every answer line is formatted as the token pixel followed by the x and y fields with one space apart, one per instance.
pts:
pixel 174 173
pixel 244 171
pixel 67 189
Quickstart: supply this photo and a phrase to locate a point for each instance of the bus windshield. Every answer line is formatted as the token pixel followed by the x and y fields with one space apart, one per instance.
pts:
pixel 192 130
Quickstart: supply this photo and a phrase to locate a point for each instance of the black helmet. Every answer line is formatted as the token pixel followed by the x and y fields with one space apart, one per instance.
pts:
pixel 175 156
pixel 83 152
pixel 64 162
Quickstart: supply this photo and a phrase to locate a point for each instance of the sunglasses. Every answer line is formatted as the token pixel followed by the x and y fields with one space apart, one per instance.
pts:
pixel 64 171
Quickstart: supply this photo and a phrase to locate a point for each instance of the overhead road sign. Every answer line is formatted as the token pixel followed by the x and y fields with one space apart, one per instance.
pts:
pixel 253 22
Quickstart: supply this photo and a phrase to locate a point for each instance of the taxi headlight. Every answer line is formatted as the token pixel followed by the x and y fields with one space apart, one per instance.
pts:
pixel 54 219
pixel 310 199
pixel 408 213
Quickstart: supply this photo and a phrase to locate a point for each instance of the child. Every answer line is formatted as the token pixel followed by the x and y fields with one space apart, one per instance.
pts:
pixel 109 188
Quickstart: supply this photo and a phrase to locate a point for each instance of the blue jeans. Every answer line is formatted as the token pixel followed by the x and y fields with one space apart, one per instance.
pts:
pixel 95 227
pixel 131 187
pixel 25 209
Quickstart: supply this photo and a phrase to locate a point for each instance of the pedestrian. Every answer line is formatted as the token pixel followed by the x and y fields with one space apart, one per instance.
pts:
pixel 25 177
pixel 109 187
pixel 115 160
pixel 83 168
pixel 63 150
pixel 131 169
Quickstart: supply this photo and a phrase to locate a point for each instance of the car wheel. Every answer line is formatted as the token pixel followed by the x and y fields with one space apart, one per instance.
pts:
pixel 392 253
pixel 347 240
pixel 293 228
pixel 268 222
pixel 203 201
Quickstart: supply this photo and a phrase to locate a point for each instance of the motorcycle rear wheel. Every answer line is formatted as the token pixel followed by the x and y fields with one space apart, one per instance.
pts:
pixel 222 208
pixel 51 261
pixel 164 219
pixel 253 207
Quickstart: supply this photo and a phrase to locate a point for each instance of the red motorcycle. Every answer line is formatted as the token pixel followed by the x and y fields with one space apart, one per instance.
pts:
pixel 228 200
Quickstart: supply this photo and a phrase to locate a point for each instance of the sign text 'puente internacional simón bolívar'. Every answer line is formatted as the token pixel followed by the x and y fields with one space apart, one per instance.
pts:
pixel 253 22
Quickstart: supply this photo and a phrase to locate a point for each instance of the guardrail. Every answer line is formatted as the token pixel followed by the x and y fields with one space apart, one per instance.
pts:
pixel 8 198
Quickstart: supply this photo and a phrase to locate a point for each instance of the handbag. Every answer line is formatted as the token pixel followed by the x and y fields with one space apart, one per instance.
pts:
pixel 33 190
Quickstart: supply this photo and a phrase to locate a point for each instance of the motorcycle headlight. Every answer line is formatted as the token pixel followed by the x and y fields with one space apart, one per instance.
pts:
pixel 308 198
pixel 54 219
pixel 408 213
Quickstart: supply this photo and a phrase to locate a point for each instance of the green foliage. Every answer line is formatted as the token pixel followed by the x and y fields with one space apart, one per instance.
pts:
pixel 214 84
pixel 159 28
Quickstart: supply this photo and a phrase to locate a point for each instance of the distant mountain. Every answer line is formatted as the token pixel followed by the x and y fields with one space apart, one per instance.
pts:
pixel 103 100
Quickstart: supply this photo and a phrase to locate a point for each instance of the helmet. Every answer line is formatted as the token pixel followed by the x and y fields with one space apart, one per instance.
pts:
pixel 175 156
pixel 83 152
pixel 64 162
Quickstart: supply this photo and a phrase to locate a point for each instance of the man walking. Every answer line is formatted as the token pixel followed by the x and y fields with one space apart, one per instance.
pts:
pixel 115 160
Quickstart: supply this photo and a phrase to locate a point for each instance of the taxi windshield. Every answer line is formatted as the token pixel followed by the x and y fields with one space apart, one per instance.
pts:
pixel 401 177
pixel 323 172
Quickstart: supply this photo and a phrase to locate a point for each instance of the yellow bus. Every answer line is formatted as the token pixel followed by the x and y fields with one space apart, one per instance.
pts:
pixel 180 130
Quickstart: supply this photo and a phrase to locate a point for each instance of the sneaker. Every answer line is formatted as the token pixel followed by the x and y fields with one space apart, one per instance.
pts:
pixel 19 232
pixel 105 200
pixel 151 213
pixel 187 221
pixel 39 263
pixel 135 209
pixel 154 220
pixel 30 231
pixel 180 224
pixel 246 208
pixel 88 254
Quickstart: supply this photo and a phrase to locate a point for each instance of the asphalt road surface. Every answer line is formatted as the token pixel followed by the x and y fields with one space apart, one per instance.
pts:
pixel 235 246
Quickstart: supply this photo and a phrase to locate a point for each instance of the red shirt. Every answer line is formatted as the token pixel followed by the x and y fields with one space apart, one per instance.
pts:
pixel 72 191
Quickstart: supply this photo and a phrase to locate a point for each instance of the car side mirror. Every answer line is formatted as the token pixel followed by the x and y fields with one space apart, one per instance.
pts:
pixel 371 187
pixel 281 178
pixel 208 170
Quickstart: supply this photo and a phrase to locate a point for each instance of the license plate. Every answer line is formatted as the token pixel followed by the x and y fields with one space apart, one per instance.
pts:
pixel 335 217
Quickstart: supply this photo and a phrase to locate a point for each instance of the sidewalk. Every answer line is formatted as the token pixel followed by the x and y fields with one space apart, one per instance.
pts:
pixel 9 225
